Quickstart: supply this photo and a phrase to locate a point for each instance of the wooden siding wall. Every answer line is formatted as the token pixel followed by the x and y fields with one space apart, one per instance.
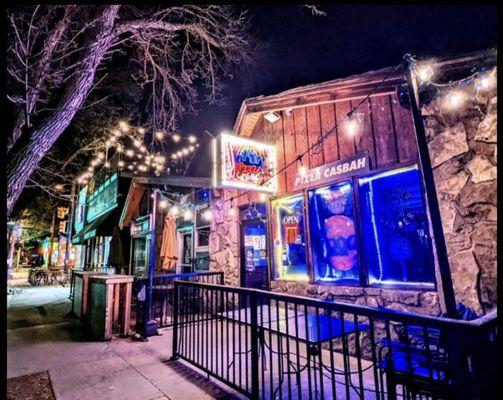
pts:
pixel 387 133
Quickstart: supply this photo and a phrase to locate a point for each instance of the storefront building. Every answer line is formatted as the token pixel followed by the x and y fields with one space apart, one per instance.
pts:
pixel 97 212
pixel 190 234
pixel 352 220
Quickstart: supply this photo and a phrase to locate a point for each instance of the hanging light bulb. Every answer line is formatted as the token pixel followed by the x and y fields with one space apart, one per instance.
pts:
pixel 486 81
pixel 424 72
pixel 351 126
pixel 130 152
pixel 192 139
pixel 187 215
pixel 159 135
pixel 191 148
pixel 174 211
pixel 179 153
pixel 454 100
pixel 176 137
pixel 302 168
pixel 207 215
pixel 185 151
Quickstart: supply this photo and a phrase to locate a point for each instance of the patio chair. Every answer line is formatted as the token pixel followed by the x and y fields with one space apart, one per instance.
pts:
pixel 418 361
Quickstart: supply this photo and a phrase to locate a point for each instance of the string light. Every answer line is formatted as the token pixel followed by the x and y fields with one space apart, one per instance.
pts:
pixel 191 148
pixel 163 204
pixel 174 211
pixel 487 81
pixel 207 215
pixel 176 137
pixel 174 156
pixel 185 151
pixel 129 152
pixel 192 139
pixel 101 156
pixel 107 165
pixel 424 72
pixel 188 214
pixel 124 126
pixel 302 167
pixel 143 148
pixel 120 163
pixel 141 130
pixel 159 135
pixel 116 132
pixel 130 166
pixel 179 153
pixel 136 142
pixel 351 126
pixel 454 100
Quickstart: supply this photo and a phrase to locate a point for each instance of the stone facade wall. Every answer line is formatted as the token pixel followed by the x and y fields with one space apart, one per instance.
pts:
pixel 224 238
pixel 462 148
pixel 423 302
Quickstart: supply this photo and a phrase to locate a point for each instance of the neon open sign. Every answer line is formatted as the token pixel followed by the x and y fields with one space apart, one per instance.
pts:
pixel 244 164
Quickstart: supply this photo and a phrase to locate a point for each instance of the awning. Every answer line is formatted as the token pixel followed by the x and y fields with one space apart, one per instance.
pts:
pixel 101 226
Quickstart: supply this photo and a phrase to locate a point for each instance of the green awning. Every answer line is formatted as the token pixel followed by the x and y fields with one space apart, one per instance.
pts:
pixel 101 226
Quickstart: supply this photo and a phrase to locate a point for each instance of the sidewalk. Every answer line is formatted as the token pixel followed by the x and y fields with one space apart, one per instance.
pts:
pixel 41 337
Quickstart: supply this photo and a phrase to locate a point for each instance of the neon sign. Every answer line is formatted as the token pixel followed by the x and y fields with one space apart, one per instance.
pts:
pixel 244 164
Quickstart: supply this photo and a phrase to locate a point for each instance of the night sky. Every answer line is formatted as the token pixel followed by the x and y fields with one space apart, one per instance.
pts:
pixel 300 48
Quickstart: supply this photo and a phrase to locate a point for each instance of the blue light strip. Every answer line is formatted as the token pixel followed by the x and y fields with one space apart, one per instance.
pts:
pixel 369 180
pixel 374 228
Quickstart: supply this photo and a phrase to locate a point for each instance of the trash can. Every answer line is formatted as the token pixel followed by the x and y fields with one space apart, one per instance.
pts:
pixel 80 289
pixel 109 305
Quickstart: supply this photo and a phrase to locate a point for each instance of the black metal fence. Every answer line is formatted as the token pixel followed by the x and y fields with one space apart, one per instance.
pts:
pixel 162 294
pixel 274 346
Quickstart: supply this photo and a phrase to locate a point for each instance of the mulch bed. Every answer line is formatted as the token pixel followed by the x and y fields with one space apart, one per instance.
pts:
pixel 30 387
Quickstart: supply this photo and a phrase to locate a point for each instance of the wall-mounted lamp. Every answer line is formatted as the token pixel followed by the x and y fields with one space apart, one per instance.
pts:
pixel 272 117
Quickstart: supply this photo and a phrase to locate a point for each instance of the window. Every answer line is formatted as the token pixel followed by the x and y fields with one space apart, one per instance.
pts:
pixel 203 236
pixel 333 234
pixel 289 239
pixel 395 228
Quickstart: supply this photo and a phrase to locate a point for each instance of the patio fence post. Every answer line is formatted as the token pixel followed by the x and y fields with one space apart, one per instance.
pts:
pixel 174 348
pixel 254 347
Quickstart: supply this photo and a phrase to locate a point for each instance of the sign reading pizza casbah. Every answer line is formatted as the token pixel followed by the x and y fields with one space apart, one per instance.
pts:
pixel 336 170
pixel 244 164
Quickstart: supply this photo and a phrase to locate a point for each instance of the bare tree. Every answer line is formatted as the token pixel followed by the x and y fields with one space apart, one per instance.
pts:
pixel 57 55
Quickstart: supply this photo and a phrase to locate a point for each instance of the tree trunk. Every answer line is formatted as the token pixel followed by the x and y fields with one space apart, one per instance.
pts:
pixel 22 163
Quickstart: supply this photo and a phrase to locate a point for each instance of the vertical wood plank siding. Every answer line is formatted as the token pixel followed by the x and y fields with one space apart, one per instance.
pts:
pixel 386 133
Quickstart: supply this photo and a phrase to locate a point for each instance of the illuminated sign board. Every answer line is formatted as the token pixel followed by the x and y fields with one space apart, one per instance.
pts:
pixel 80 212
pixel 243 164
pixel 332 171
pixel 103 199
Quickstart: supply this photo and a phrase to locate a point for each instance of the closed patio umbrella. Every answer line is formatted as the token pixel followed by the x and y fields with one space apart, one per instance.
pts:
pixel 116 254
pixel 169 247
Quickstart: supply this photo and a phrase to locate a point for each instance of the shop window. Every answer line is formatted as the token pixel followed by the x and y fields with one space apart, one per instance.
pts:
pixel 289 239
pixel 203 236
pixel 395 228
pixel 333 234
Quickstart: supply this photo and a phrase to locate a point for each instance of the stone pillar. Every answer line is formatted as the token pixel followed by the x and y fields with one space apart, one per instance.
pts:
pixel 462 148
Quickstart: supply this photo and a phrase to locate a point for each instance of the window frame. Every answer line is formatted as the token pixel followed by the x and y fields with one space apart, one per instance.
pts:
pixel 362 256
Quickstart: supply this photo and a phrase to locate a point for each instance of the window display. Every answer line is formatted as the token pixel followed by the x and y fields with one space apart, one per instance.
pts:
pixel 333 235
pixel 289 239
pixel 395 228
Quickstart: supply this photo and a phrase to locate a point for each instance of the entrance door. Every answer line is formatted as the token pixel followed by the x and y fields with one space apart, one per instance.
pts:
pixel 254 272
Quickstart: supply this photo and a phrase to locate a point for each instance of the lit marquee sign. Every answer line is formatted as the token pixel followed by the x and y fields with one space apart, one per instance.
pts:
pixel 243 164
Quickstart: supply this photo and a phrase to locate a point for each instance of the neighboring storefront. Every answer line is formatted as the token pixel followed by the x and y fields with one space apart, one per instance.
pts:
pixel 189 233
pixel 97 211
pixel 351 219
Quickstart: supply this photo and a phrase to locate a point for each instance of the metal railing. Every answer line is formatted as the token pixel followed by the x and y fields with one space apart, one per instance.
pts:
pixel 270 345
pixel 162 294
